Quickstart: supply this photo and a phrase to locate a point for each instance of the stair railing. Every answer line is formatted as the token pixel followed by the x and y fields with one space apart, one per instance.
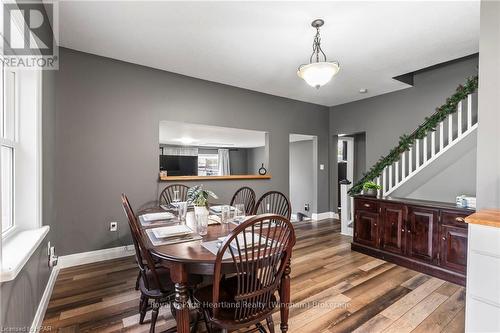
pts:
pixel 450 123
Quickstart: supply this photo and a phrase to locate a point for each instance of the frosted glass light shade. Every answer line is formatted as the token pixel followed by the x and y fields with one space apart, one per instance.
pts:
pixel 318 74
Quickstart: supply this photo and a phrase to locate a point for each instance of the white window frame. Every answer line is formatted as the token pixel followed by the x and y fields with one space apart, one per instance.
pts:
pixel 19 243
pixel 11 143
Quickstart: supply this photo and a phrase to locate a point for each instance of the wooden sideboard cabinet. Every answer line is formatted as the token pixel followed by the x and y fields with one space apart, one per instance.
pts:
pixel 427 236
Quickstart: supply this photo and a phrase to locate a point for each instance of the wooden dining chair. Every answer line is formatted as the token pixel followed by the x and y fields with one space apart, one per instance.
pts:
pixel 155 282
pixel 246 196
pixel 167 195
pixel 258 250
pixel 273 202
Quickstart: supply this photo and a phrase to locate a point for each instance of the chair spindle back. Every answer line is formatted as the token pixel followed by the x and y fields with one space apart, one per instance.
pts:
pixel 245 196
pixel 259 251
pixel 274 202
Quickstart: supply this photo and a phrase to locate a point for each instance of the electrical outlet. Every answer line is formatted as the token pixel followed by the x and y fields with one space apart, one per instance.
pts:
pixel 306 207
pixel 322 167
pixel 113 226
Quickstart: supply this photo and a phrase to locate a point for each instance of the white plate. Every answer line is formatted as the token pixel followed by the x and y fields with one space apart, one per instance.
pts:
pixel 172 231
pixel 157 216
pixel 218 208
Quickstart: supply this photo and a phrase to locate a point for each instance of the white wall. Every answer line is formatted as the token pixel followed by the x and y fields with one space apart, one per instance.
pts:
pixel 482 312
pixel 488 147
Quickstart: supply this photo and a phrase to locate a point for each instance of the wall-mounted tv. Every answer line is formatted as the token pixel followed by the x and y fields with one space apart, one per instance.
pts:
pixel 179 165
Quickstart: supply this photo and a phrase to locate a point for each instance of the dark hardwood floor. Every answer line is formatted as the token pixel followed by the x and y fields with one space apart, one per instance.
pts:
pixel 333 290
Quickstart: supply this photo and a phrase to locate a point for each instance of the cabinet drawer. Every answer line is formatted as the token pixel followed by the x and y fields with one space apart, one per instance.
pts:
pixel 454 218
pixel 366 205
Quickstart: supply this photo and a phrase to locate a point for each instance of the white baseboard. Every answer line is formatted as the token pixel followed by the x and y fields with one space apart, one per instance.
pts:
pixel 325 215
pixel 75 260
pixel 44 302
pixel 95 256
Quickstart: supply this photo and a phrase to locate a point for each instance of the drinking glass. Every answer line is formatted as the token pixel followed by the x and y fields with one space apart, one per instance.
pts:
pixel 225 214
pixel 182 209
pixel 176 197
pixel 240 210
pixel 202 224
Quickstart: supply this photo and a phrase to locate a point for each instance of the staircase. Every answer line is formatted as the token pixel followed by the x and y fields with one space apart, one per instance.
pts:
pixel 453 122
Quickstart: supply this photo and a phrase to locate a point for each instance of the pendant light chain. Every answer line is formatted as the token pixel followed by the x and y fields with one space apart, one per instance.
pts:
pixel 317 48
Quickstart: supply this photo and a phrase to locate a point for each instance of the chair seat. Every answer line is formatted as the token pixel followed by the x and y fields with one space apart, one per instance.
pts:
pixel 228 289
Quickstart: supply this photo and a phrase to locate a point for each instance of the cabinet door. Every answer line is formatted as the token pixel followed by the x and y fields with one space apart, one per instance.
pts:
pixel 453 253
pixel 392 228
pixel 366 228
pixel 422 233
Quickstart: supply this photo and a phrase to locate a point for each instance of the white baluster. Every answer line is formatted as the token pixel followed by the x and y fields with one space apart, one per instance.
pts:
pixel 417 153
pixel 425 149
pixel 459 115
pixel 378 182
pixel 403 166
pixel 410 161
pixel 385 181
pixel 450 129
pixel 390 176
pixel 433 143
pixel 441 135
pixel 469 111
pixel 396 181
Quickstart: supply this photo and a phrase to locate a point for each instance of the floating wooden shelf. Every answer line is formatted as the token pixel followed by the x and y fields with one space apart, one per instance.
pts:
pixel 231 177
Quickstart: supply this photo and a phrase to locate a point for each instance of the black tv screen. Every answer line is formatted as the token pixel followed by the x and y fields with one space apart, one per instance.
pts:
pixel 179 165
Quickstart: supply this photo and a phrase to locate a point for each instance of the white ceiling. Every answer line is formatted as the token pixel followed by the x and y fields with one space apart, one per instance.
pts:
pixel 179 133
pixel 259 45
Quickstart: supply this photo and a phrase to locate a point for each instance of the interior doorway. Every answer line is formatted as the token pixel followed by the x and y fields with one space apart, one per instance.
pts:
pixel 303 175
pixel 351 159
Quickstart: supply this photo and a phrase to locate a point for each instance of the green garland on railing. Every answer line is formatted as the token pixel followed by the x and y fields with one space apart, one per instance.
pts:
pixel 406 141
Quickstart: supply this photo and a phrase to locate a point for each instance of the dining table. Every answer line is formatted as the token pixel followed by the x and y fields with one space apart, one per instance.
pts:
pixel 191 257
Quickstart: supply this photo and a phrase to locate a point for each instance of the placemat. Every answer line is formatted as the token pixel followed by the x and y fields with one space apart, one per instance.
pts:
pixel 214 248
pixel 159 241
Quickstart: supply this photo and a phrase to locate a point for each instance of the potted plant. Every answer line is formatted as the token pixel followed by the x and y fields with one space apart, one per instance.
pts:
pixel 198 196
pixel 371 189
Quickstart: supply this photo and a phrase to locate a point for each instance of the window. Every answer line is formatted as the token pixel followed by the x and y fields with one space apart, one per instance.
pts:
pixel 9 143
pixel 208 164
pixel 20 150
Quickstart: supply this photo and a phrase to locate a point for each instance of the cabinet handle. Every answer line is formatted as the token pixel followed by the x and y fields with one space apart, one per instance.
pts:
pixel 375 224
pixel 402 229
pixel 444 238
pixel 367 205
pixel 460 219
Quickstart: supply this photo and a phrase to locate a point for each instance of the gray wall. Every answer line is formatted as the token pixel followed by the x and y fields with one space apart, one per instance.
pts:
pixel 386 117
pixel 301 175
pixel 238 161
pixel 107 119
pixel 446 185
pixel 255 158
pixel 488 147
pixel 21 296
pixel 359 155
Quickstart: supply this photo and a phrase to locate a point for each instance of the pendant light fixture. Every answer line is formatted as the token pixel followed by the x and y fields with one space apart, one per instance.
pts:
pixel 319 71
